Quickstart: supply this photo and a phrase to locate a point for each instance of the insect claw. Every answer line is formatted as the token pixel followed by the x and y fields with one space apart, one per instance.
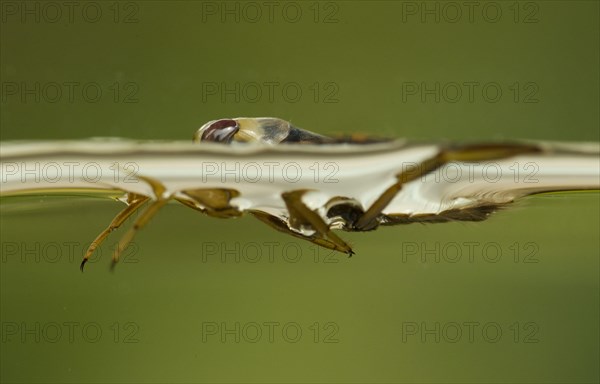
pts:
pixel 90 251
pixel 82 264
pixel 350 253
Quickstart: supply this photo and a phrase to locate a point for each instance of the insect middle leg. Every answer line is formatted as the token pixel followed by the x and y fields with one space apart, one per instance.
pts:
pixel 301 215
pixel 281 226
pixel 467 153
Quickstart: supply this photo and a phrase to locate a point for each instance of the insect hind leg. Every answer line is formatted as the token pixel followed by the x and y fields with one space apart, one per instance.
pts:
pixel 464 153
pixel 478 213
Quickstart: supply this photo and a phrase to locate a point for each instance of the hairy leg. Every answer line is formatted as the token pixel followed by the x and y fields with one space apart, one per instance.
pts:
pixel 467 153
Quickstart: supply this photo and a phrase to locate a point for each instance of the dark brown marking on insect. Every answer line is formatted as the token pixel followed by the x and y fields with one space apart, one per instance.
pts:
pixel 343 210
pixel 358 138
pixel 302 136
pixel 487 152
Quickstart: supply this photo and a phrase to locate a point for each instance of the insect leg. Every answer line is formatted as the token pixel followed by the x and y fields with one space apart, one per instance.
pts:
pixel 134 201
pixel 466 153
pixel 216 203
pixel 301 215
pixel 213 202
pixel 139 223
pixel 479 213
pixel 281 226
pixel 144 218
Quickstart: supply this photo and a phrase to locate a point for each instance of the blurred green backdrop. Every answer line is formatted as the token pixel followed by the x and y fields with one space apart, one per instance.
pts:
pixel 421 70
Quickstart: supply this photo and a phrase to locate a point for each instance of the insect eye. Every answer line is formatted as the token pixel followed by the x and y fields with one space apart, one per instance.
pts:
pixel 221 131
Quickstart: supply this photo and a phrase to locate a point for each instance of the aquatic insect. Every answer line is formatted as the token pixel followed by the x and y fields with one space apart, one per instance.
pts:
pixel 299 182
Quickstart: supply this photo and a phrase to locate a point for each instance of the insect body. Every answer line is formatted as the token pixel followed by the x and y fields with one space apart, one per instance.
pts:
pixel 374 182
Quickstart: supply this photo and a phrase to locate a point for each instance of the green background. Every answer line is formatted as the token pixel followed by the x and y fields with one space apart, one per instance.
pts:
pixel 161 55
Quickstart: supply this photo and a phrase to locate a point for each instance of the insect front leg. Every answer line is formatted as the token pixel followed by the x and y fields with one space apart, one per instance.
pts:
pixel 134 202
pixel 160 200
pixel 467 153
